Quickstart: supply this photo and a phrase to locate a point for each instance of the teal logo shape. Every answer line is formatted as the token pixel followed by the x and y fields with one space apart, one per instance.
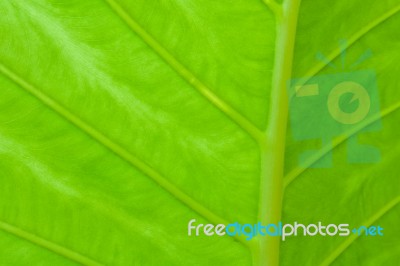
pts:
pixel 325 107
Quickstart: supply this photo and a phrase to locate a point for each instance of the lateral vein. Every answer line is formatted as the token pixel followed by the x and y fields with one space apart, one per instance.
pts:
pixel 345 244
pixel 353 39
pixel 275 8
pixel 296 172
pixel 63 251
pixel 114 147
pixel 186 74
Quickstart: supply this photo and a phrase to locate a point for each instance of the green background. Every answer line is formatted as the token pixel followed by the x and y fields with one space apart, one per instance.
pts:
pixel 121 120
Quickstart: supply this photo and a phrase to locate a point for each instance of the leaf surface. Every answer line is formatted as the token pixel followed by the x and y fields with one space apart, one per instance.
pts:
pixel 122 120
pixel 358 194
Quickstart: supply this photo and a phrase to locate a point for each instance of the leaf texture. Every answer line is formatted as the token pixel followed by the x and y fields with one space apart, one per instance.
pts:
pixel 120 121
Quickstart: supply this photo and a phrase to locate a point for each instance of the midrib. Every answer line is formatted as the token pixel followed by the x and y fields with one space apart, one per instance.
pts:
pixel 272 163
pixel 272 181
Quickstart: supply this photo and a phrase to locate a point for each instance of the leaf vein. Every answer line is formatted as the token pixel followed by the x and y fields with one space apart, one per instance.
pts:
pixel 296 172
pixel 186 74
pixel 114 147
pixel 274 7
pixel 353 39
pixel 346 244
pixel 57 249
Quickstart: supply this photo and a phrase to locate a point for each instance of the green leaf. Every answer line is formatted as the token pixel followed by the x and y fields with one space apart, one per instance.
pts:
pixel 358 194
pixel 122 120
